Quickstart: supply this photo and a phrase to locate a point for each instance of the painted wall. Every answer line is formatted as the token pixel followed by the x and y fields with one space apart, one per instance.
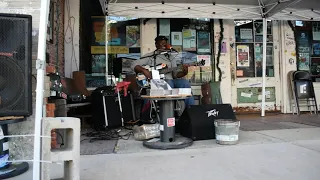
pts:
pixel 72 34
pixel 288 63
pixel 225 58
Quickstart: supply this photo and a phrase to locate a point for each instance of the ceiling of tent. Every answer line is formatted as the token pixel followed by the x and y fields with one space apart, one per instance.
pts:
pixel 215 9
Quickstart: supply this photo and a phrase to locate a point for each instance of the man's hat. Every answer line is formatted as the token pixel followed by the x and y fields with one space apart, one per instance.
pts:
pixel 159 38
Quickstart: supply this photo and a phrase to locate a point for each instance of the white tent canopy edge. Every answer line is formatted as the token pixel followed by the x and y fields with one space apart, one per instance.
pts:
pixel 219 9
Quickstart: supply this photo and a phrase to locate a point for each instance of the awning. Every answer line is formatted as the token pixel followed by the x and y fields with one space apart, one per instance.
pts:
pixel 216 9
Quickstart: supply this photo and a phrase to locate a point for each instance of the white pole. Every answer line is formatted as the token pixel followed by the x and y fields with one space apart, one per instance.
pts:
pixel 264 66
pixel 39 90
pixel 106 47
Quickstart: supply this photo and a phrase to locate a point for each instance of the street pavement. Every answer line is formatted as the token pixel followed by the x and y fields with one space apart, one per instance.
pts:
pixel 292 154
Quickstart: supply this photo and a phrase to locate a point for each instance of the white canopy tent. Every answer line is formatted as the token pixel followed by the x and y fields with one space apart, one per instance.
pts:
pixel 214 9
pixel 307 10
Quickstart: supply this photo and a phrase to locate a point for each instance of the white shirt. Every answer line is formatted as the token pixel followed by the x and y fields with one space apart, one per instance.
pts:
pixel 164 58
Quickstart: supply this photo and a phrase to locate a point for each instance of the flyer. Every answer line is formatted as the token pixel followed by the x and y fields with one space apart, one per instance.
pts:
pixel 189 39
pixel 243 56
pixel 176 38
pixel 246 34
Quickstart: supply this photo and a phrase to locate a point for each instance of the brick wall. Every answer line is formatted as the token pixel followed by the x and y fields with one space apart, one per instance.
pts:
pixel 56 48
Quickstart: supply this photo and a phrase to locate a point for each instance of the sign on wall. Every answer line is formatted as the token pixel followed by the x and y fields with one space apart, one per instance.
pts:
pixel 254 94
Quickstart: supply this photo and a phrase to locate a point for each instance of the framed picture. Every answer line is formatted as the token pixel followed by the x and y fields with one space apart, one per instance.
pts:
pixel 50 23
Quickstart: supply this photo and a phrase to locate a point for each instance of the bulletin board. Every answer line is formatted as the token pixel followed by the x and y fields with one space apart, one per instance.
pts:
pixel 254 94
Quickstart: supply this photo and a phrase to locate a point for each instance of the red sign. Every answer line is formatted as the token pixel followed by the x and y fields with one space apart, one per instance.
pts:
pixel 171 122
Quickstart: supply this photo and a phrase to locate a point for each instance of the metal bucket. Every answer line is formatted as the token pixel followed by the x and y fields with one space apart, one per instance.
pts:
pixel 227 131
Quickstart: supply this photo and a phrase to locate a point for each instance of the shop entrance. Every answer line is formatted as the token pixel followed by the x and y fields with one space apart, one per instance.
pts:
pixel 246 66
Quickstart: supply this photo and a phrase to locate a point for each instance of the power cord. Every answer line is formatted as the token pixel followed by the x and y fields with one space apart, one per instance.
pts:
pixel 62 140
pixel 108 134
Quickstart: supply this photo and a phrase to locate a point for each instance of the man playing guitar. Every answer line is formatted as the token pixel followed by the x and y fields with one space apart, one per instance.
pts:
pixel 159 55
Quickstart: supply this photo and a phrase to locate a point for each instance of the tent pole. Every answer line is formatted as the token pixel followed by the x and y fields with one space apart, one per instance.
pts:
pixel 106 48
pixel 41 64
pixel 264 66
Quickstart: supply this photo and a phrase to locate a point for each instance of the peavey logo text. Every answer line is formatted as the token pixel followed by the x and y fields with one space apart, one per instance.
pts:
pixel 213 112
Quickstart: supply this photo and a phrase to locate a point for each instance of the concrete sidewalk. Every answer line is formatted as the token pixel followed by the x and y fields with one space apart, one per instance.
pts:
pixel 292 154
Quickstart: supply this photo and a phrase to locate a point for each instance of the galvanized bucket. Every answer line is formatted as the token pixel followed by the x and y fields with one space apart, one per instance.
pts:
pixel 227 131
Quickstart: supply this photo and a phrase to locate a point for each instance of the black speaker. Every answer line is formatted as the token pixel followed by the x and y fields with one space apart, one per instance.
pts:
pixel 15 65
pixel 105 104
pixel 117 67
pixel 197 121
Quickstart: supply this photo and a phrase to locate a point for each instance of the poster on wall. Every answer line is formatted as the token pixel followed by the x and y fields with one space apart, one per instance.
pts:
pixel 98 65
pixel 189 40
pixel 99 32
pixel 206 58
pixel 246 34
pixel 243 56
pixel 133 36
pixel 176 38
pixel 269 56
pixel 316 31
pixel 164 28
pixel 203 42
pixel 258 54
pixel 223 46
pixel 316 49
pixel 304 62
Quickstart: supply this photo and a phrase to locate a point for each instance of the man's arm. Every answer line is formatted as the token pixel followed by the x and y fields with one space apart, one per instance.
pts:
pixel 137 67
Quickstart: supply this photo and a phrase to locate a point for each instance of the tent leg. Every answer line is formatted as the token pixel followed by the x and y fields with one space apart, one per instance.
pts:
pixel 264 66
pixel 41 64
pixel 106 47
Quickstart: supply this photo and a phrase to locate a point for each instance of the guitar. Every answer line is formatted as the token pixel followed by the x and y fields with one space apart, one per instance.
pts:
pixel 163 69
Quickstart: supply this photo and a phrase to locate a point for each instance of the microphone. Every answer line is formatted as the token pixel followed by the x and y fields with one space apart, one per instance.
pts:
pixel 171 48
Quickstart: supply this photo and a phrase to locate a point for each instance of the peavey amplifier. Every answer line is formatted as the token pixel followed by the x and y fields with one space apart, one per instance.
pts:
pixel 197 121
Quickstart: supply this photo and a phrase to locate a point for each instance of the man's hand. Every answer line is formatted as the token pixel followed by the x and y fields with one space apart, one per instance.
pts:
pixel 182 73
pixel 185 69
pixel 147 74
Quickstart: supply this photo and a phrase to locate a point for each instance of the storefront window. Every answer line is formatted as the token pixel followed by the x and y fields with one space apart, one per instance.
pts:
pixel 191 38
pixel 249 48
pixel 308 42
pixel 123 44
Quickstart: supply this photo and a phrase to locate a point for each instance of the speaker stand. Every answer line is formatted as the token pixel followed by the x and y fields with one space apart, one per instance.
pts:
pixel 7 169
pixel 168 139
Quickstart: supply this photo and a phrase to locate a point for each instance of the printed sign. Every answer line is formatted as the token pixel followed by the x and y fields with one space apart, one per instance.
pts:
pixel 111 50
pixel 303 89
pixel 171 122
pixel 213 112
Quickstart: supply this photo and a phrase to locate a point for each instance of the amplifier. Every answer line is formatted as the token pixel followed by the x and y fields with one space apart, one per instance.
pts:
pixel 106 110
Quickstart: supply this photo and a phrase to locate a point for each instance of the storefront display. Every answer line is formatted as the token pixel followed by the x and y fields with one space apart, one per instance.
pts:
pixel 249 48
pixel 308 43
pixel 191 38
pixel 123 41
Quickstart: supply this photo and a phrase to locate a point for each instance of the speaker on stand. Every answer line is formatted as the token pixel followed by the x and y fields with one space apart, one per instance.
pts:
pixel 15 82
